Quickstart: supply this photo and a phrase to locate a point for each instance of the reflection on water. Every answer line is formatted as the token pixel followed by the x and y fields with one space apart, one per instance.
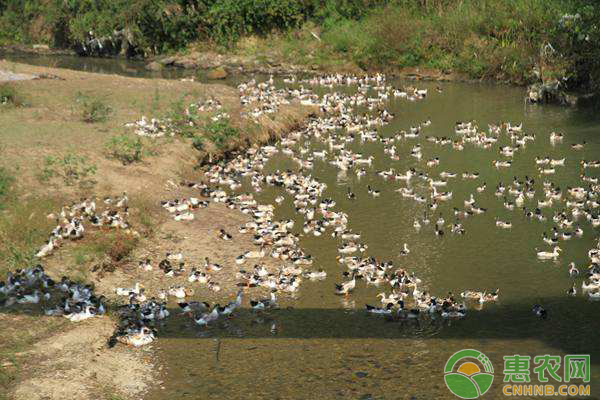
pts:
pixel 324 346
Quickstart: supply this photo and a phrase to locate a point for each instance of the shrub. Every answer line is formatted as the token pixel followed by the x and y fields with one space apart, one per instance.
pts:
pixel 71 168
pixel 125 148
pixel 9 96
pixel 93 109
pixel 220 131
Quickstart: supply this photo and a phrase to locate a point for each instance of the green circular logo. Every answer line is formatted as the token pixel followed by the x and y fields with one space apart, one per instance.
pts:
pixel 465 378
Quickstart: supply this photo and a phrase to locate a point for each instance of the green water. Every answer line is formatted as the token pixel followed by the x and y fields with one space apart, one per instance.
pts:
pixel 328 347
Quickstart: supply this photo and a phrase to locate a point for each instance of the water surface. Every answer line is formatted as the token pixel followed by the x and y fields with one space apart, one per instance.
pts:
pixel 326 346
pixel 322 346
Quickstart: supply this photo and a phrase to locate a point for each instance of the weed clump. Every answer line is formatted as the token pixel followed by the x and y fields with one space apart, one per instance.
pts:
pixel 10 96
pixel 70 168
pixel 219 131
pixel 125 148
pixel 93 109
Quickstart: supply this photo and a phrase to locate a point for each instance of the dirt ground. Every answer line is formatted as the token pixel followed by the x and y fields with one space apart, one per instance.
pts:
pixel 48 357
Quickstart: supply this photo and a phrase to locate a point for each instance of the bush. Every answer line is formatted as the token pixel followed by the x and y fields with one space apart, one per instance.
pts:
pixel 125 148
pixel 71 168
pixel 9 96
pixel 93 109
pixel 220 131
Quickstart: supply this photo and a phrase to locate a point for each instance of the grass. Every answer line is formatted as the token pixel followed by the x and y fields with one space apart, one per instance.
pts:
pixel 93 108
pixel 220 132
pixel 6 183
pixel 23 228
pixel 10 96
pixel 184 120
pixel 125 148
pixel 501 40
pixel 70 168
pixel 18 337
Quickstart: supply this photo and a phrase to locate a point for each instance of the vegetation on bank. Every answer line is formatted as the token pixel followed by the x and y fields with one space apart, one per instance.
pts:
pixel 514 40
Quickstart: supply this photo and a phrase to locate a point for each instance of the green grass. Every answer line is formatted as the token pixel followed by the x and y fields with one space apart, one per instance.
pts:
pixel 220 132
pixel 6 184
pixel 23 229
pixel 125 148
pixel 184 120
pixel 93 108
pixel 70 168
pixel 10 96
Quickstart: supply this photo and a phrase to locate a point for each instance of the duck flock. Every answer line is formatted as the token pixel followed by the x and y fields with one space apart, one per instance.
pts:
pixel 352 110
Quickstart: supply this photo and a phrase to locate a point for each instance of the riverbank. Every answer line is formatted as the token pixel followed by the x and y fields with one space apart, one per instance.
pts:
pixel 51 157
pixel 523 42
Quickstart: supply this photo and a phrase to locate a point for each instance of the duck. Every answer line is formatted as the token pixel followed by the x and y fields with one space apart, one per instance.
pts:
pixel 592 286
pixel 29 298
pixel 231 306
pixel 140 338
pixel 503 224
pixel 572 291
pixel 320 274
pixel 350 195
pixel 87 312
pixel 539 311
pixel 224 235
pixel 264 304
pixel 594 295
pixel 255 253
pixel 372 192
pixel 346 287
pixel 387 310
pixel 126 291
pixel 212 266
pixel 405 251
pixel 177 291
pixel 546 255
pixel 206 318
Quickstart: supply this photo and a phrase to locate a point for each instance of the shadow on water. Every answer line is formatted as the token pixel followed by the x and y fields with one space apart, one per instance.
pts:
pixel 571 327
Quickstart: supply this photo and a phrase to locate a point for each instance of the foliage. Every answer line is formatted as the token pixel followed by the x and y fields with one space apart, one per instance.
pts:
pixel 93 108
pixel 10 96
pixel 125 148
pixel 514 40
pixel 183 120
pixel 198 143
pixel 219 131
pixel 71 168
pixel 22 229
